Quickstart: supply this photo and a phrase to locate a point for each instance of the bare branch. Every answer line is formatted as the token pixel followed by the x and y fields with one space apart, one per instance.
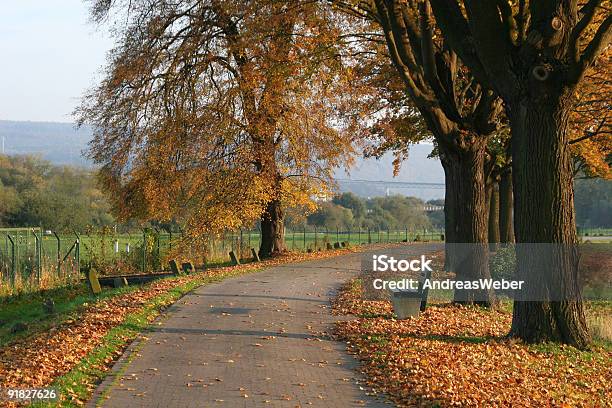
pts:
pixel 600 41
pixel 588 13
pixel 454 25
pixel 491 39
pixel 589 135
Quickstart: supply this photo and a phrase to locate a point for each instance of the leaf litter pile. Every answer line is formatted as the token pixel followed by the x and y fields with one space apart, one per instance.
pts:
pixel 459 356
pixel 37 360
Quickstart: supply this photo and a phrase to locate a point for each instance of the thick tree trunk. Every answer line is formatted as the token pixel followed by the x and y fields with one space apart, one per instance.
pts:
pixel 450 203
pixel 272 230
pixel 544 213
pixel 470 257
pixel 506 227
pixel 493 199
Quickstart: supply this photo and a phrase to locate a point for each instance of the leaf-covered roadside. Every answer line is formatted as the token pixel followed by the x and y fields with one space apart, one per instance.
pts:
pixel 81 343
pixel 459 356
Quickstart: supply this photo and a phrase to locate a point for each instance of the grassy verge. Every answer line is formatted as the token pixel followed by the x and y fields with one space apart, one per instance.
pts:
pixel 29 313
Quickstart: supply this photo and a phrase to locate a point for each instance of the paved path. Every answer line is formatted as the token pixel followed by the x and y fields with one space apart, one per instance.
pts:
pixel 250 341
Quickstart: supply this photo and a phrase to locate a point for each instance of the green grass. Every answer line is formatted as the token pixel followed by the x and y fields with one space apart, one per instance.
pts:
pixel 87 373
pixel 28 309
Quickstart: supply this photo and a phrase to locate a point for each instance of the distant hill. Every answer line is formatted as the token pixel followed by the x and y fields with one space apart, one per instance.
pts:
pixel 417 169
pixel 62 143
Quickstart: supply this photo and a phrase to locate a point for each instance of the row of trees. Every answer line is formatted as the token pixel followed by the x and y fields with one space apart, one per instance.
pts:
pixel 220 114
pixel 33 192
pixel 593 199
pixel 348 211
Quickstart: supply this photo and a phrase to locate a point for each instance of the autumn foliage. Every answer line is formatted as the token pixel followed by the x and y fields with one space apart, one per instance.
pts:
pixel 218 114
pixel 460 356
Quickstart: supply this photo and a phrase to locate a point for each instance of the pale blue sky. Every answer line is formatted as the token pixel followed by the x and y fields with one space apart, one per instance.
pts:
pixel 49 55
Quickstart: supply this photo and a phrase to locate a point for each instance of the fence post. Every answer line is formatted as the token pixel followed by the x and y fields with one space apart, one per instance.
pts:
pixel 158 244
pixel 338 235
pixel 315 244
pixel 304 238
pixel 38 255
pixel 241 242
pixel 144 249
pixel 369 235
pixel 12 260
pixel 77 251
pixel 59 260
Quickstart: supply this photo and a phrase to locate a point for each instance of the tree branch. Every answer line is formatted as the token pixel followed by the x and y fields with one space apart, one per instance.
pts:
pixel 521 22
pixel 457 33
pixel 589 135
pixel 588 13
pixel 600 41
pixel 403 63
pixel 505 9
pixel 492 44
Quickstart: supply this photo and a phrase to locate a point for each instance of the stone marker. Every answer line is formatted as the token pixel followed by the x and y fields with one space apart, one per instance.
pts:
pixel 49 306
pixel 94 283
pixel 336 245
pixel 234 258
pixel 255 255
pixel 406 303
pixel 174 267
pixel 188 267
pixel 424 292
pixel 19 327
pixel 120 282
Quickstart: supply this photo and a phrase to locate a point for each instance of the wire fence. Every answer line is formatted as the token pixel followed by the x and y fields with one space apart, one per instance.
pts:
pixel 32 259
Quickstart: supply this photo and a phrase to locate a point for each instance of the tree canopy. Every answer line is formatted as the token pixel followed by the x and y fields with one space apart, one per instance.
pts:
pixel 210 111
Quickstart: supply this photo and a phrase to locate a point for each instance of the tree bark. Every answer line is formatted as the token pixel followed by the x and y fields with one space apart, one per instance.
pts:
pixel 272 230
pixel 544 213
pixel 506 227
pixel 450 210
pixel 493 199
pixel 470 257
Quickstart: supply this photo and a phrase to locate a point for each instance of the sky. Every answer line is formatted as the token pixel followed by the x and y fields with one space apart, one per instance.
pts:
pixel 50 54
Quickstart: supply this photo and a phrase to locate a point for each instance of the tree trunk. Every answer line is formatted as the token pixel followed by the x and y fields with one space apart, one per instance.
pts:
pixel 464 171
pixel 272 230
pixel 506 208
pixel 506 228
pixel 551 310
pixel 494 234
pixel 450 203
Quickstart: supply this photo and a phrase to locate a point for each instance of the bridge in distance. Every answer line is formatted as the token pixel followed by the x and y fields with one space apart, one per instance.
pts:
pixel 399 185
